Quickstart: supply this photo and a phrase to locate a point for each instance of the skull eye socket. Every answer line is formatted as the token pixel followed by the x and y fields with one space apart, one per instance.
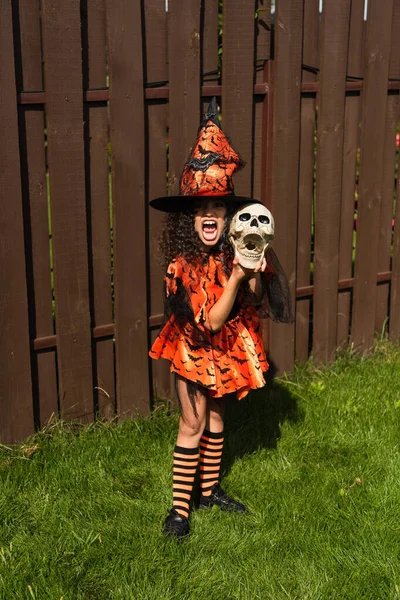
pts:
pixel 244 217
pixel 264 219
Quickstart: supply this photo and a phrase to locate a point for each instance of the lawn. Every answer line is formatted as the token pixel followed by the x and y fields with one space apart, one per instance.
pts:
pixel 314 456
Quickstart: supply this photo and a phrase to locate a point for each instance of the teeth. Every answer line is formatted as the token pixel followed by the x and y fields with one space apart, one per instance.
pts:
pixel 209 223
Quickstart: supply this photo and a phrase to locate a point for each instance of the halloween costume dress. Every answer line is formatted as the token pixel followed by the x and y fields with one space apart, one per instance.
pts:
pixel 229 360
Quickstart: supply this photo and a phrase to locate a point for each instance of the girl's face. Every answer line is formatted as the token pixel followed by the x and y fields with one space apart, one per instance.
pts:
pixel 209 220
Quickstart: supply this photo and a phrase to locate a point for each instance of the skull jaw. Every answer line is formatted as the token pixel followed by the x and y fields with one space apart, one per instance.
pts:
pixel 250 249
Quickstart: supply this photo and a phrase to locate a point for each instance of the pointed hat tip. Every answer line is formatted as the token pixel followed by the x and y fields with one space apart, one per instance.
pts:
pixel 212 111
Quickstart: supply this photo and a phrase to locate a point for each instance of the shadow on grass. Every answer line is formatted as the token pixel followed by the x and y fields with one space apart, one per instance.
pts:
pixel 255 422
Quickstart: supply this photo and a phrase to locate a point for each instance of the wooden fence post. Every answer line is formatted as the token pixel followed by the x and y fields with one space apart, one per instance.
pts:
pixel 156 183
pixel 98 202
pixel 302 306
pixel 124 27
pixel 349 160
pixel 16 414
pixel 379 29
pixel 34 191
pixel 285 171
pixel 184 84
pixel 64 119
pixel 388 175
pixel 238 61
pixel 333 66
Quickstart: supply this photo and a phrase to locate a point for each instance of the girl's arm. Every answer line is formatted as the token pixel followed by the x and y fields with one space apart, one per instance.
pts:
pixel 255 285
pixel 219 313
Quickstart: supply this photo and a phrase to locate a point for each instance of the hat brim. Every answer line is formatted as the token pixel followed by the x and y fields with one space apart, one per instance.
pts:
pixel 173 204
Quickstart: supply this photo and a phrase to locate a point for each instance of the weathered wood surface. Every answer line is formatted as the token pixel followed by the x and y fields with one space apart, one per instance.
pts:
pixel 388 178
pixel 331 112
pixel 351 144
pixel 127 138
pixel 61 28
pixel 184 80
pixel 98 202
pixel 16 406
pixel 285 160
pixel 156 133
pixel 237 84
pixel 107 89
pixel 377 57
pixel 306 177
pixel 35 198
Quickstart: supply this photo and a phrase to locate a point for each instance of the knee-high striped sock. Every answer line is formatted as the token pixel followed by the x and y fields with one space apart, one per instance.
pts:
pixel 184 471
pixel 211 445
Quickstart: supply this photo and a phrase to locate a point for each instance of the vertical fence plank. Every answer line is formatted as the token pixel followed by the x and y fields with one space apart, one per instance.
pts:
pixel 61 28
pixel 394 324
pixel 184 84
pixel 184 112
pixel 16 409
pixel 34 190
pixel 350 147
pixel 263 121
pixel 263 55
pixel 124 25
pixel 394 321
pixel 286 132
pixel 306 176
pixel 378 42
pixel 209 46
pixel 388 191
pixel 333 64
pixel 97 190
pixel 157 111
pixel 237 84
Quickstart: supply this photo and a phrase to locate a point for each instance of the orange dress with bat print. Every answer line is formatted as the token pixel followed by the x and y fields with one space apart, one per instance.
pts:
pixel 229 360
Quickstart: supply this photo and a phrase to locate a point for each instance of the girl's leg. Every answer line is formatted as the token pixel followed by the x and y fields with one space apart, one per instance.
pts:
pixel 193 413
pixel 193 402
pixel 211 445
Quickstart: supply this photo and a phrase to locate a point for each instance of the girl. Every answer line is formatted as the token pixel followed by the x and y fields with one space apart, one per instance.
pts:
pixel 212 338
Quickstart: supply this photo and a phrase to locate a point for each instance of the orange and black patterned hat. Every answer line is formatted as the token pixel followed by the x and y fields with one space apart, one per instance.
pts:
pixel 209 169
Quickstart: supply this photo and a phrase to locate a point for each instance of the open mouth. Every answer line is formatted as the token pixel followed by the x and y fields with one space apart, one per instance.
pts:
pixel 252 246
pixel 210 230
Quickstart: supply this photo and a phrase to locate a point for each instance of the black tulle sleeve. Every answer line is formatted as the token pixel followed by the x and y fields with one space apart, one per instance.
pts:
pixel 177 303
pixel 276 302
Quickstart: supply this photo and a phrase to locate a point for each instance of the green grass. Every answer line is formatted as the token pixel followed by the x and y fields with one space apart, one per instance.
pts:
pixel 315 457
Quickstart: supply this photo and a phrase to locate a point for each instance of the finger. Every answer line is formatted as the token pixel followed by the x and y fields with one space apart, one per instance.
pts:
pixel 263 265
pixel 259 266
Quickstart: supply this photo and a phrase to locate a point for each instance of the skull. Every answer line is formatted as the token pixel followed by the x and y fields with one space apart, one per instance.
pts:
pixel 250 233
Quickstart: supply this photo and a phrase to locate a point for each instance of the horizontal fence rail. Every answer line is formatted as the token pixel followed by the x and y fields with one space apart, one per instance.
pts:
pixel 207 91
pixel 155 321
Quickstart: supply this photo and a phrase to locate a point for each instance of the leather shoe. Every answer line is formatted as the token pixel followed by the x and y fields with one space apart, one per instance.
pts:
pixel 175 525
pixel 219 498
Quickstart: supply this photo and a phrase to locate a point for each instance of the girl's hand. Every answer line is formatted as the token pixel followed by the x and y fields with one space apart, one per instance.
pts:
pixel 239 273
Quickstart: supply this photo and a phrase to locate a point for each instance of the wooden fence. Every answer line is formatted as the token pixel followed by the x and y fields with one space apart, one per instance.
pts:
pixel 310 101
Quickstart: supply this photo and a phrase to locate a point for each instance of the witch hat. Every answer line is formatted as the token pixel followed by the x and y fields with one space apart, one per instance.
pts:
pixel 209 169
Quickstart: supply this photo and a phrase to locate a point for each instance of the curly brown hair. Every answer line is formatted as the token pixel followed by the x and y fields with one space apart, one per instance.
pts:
pixel 179 238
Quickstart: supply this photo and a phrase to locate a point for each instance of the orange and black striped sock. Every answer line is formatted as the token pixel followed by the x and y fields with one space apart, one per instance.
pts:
pixel 184 471
pixel 211 445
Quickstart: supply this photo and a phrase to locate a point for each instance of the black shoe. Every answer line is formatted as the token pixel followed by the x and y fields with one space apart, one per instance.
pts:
pixel 175 525
pixel 219 498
